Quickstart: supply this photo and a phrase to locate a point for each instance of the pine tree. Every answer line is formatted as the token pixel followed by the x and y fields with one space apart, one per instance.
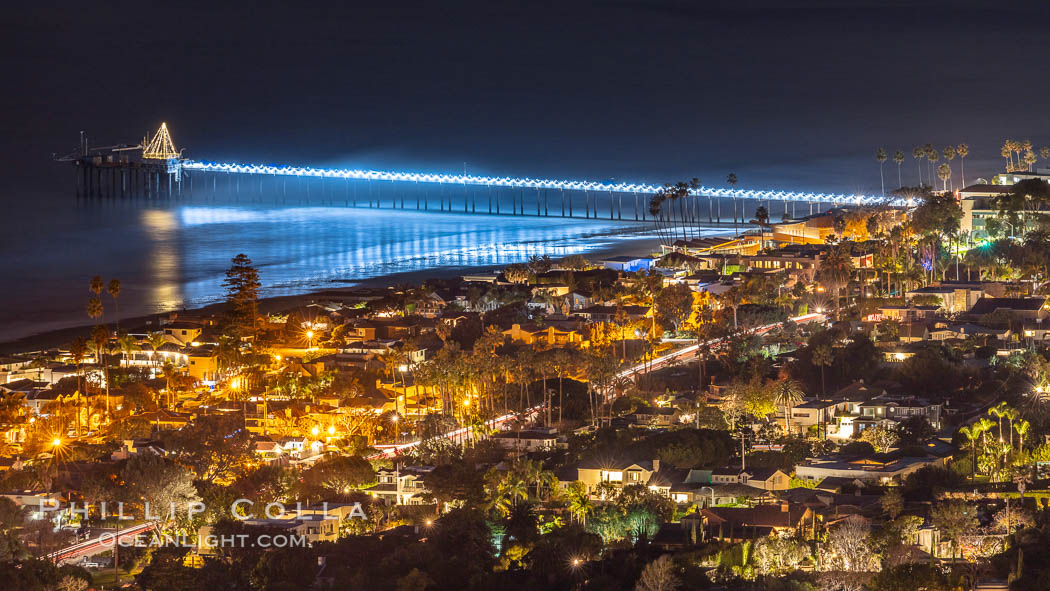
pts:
pixel 242 295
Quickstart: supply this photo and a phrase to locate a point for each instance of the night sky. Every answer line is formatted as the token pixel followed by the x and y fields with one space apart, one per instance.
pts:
pixel 786 94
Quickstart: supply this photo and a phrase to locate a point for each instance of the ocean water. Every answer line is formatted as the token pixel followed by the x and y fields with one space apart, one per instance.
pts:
pixel 171 255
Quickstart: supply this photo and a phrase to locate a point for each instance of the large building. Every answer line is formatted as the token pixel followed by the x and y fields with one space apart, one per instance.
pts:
pixel 978 200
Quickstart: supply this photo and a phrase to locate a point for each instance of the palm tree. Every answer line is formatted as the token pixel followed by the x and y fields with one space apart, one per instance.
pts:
pixel 963 151
pixel 1011 415
pixel 113 289
pixel 580 505
pixel 949 155
pixel 100 346
pixel 94 307
pixel 1000 411
pixel 127 345
pixel 880 157
pixel 898 158
pixel 762 215
pixel 732 180
pixel 78 349
pixel 823 357
pixel 156 340
pixel 787 393
pixel 1007 152
pixel 973 435
pixel 918 154
pixel 932 156
pixel 835 272
pixel 1022 427
pixel 944 172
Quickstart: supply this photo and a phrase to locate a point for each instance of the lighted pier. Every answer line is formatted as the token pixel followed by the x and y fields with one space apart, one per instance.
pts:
pixel 160 171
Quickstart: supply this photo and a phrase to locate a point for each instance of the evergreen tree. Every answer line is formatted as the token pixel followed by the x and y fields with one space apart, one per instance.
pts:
pixel 242 295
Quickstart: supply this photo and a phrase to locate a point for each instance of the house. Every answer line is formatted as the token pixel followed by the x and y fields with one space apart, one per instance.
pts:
pixel 902 409
pixel 1023 309
pixel 268 450
pixel 617 472
pixel 627 264
pixel 760 478
pixel 312 528
pixel 748 523
pixel 183 334
pixel 134 447
pixel 400 486
pixel 549 335
pixel 903 314
pixel 527 440
pixel 166 419
pixel 954 298
pixel 202 363
pixel 913 332
pixel 654 416
pixel 601 313
pixel 880 468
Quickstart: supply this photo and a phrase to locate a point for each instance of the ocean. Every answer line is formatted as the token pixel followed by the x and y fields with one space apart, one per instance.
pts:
pixel 171 254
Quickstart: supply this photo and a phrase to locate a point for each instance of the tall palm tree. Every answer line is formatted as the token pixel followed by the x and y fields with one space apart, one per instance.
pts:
pixel 1000 411
pixel 898 158
pixel 733 180
pixel 980 428
pixel 94 307
pixel 949 155
pixel 1022 427
pixel 932 156
pixel 918 154
pixel 78 350
pixel 973 435
pixel 835 272
pixel 823 357
pixel 113 289
pixel 1011 415
pixel 1007 153
pixel 787 393
pixel 100 346
pixel 880 157
pixel 963 151
pixel 944 172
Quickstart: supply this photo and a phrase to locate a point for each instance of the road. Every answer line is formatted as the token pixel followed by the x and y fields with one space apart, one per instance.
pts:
pixel 390 451
pixel 99 543
pixel 690 351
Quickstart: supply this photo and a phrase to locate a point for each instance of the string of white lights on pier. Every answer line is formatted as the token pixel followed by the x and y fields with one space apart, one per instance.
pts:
pixel 525 183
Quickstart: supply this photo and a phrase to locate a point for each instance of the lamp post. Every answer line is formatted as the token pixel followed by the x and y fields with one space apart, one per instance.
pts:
pixel 309 339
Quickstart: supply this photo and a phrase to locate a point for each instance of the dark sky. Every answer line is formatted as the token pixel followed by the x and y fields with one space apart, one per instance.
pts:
pixel 786 94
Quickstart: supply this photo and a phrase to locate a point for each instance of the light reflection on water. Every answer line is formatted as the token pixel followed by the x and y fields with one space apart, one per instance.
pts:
pixel 173 256
pixel 303 248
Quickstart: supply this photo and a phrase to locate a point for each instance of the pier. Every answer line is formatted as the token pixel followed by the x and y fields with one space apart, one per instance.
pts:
pixel 155 169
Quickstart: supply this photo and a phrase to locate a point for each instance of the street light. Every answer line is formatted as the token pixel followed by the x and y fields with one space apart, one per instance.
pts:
pixel 57 441
pixel 309 339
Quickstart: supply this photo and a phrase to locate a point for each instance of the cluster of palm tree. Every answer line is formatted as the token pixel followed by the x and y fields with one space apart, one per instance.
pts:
pixel 526 481
pixel 992 449
pixel 1021 156
pixel 931 155
pixel 677 210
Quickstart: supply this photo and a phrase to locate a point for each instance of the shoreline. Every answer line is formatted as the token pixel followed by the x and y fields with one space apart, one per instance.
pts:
pixel 58 337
